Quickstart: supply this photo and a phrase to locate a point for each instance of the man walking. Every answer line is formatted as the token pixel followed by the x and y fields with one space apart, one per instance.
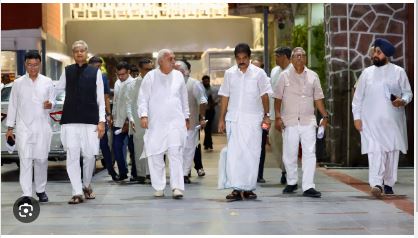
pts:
pixel 31 98
pixel 379 103
pixel 164 111
pixel 244 108
pixel 83 120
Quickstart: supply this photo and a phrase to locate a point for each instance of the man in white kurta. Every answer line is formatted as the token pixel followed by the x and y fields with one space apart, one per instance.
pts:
pixel 164 112
pixel 197 101
pixel 83 120
pixel 245 101
pixel 275 137
pixel 31 98
pixel 381 120
pixel 135 129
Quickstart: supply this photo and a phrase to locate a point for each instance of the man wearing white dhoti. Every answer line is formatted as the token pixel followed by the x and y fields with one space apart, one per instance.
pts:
pixel 296 92
pixel 83 120
pixel 244 107
pixel 136 132
pixel 164 112
pixel 197 106
pixel 379 102
pixel 31 98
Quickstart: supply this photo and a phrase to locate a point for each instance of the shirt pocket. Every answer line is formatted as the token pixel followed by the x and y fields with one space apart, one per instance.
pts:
pixel 251 87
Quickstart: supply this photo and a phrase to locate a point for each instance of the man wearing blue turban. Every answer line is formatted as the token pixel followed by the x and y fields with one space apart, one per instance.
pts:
pixel 379 103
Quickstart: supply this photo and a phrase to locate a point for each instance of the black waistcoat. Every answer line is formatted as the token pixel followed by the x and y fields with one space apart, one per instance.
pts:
pixel 80 105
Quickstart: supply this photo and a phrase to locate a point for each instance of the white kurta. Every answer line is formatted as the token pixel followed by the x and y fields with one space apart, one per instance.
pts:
pixel 384 126
pixel 163 99
pixel 119 110
pixel 33 131
pixel 138 134
pixel 196 97
pixel 243 125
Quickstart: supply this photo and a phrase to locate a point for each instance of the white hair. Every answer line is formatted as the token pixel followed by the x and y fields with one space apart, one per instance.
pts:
pixel 298 49
pixel 182 65
pixel 79 43
pixel 161 54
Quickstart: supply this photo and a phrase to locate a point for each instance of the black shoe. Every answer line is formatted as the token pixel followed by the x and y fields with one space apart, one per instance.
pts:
pixel 312 193
pixel 388 189
pixel 187 180
pixel 283 178
pixel 42 197
pixel 139 179
pixel 261 180
pixel 115 177
pixel 290 189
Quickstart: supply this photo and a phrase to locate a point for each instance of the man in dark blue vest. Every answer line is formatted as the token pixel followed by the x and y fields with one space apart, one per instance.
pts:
pixel 83 120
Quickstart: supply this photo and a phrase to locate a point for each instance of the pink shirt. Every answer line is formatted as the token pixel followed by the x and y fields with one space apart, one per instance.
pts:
pixel 298 92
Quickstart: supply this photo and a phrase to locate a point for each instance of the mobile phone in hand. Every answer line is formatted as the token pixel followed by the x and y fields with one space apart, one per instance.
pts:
pixel 10 141
pixel 393 97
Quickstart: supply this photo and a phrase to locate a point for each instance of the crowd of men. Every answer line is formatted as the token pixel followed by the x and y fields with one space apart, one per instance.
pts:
pixel 158 113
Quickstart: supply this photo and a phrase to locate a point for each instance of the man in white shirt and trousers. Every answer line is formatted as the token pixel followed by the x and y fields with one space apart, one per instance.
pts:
pixel 83 120
pixel 164 111
pixel 296 93
pixel 197 106
pixel 244 108
pixel 379 102
pixel 31 98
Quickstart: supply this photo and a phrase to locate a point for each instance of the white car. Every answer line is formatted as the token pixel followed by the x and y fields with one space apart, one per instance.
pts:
pixel 57 153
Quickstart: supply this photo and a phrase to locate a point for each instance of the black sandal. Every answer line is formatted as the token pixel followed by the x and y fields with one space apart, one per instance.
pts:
pixel 250 195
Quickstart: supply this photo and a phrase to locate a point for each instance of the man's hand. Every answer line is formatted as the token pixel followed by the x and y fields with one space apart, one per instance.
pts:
pixel 221 126
pixel 125 127
pixel 144 122
pixel 109 119
pixel 187 123
pixel 202 124
pixel 266 120
pixel 278 124
pixel 47 104
pixel 133 126
pixel 398 102
pixel 358 125
pixel 324 122
pixel 100 129
pixel 9 133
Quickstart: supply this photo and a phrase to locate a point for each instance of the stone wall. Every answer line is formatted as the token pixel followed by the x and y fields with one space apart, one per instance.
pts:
pixel 350 30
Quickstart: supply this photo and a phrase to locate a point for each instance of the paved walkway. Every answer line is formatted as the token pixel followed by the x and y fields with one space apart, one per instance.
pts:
pixel 346 208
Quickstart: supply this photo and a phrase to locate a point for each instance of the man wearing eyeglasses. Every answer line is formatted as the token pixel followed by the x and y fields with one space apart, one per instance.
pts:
pixel 296 92
pixel 83 120
pixel 136 132
pixel 30 101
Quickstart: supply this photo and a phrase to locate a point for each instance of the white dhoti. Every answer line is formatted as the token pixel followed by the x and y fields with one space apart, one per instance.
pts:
pixel 276 142
pixel 291 137
pixel 242 156
pixel 78 138
pixel 383 168
pixel 189 150
pixel 157 169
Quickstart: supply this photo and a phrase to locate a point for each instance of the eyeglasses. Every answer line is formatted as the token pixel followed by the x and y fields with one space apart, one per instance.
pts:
pixel 32 65
pixel 298 55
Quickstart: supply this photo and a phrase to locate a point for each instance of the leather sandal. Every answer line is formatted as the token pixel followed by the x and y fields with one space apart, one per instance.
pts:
pixel 76 199
pixel 250 195
pixel 88 193
pixel 235 196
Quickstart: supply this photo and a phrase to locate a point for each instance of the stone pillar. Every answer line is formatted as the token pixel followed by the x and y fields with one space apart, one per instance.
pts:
pixel 350 30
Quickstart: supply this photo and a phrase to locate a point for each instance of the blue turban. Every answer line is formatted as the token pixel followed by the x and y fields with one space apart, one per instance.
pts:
pixel 385 46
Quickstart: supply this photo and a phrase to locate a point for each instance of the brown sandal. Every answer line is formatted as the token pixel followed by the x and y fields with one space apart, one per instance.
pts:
pixel 250 195
pixel 88 193
pixel 76 199
pixel 235 196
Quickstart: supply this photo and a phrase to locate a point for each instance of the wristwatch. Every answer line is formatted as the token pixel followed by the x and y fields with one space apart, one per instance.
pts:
pixel 267 114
